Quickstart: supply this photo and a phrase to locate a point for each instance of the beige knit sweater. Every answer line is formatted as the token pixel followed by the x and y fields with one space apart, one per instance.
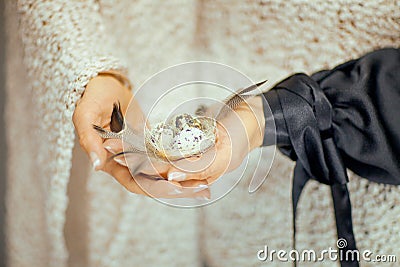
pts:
pixel 55 47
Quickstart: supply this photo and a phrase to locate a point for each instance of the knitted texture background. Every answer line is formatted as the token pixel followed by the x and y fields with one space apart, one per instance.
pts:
pixel 62 44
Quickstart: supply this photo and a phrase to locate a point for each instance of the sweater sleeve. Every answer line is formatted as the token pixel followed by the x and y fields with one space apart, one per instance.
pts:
pixel 65 45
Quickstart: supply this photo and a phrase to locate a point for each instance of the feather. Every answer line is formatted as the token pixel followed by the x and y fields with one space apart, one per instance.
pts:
pixel 117 119
pixel 232 102
pixel 201 110
pixel 100 130
pixel 250 88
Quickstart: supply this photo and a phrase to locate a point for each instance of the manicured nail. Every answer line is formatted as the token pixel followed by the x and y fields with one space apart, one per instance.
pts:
pixel 109 149
pixel 120 162
pixel 175 191
pixel 95 160
pixel 203 198
pixel 199 188
pixel 176 176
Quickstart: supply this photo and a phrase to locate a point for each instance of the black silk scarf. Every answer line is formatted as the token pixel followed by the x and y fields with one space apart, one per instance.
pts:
pixel 347 117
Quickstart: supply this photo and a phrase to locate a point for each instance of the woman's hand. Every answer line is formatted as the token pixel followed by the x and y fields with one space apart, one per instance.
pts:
pixel 95 108
pixel 238 133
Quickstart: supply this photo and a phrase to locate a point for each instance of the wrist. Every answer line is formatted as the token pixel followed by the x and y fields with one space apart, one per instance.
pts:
pixel 258 123
pixel 104 90
pixel 253 118
pixel 120 77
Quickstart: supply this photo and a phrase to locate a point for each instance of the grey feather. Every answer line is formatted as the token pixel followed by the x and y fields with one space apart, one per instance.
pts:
pixel 233 101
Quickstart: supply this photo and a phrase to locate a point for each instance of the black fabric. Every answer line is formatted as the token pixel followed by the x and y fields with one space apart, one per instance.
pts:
pixel 342 118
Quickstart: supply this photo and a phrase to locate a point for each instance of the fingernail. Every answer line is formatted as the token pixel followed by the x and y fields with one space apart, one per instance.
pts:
pixel 203 198
pixel 95 160
pixel 199 188
pixel 120 162
pixel 109 149
pixel 176 176
pixel 175 191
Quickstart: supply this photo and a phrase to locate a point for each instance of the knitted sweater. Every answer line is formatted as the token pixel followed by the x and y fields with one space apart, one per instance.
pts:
pixel 62 44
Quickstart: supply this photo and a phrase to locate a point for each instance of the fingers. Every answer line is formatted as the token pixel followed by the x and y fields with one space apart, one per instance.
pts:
pixel 156 188
pixel 141 184
pixel 166 189
pixel 123 176
pixel 212 165
pixel 89 140
pixel 138 162
pixel 228 153
pixel 209 175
